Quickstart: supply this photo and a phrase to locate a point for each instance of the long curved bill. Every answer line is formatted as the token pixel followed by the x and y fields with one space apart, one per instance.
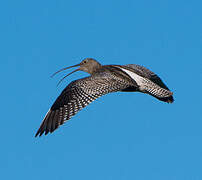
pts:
pixel 65 69
pixel 67 74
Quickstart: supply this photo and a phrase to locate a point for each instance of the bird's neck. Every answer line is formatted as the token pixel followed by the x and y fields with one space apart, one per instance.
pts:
pixel 95 68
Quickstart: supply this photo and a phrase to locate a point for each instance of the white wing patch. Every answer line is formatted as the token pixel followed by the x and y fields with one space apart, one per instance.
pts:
pixel 138 79
pixel 147 85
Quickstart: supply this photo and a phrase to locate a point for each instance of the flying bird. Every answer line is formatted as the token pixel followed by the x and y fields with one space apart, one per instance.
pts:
pixel 103 79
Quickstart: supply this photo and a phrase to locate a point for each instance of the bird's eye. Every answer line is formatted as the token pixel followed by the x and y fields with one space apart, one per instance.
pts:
pixel 84 61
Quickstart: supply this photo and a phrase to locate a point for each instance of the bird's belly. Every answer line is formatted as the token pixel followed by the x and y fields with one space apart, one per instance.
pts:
pixel 130 89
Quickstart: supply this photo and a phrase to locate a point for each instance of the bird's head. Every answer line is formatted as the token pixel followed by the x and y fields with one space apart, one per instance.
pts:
pixel 88 65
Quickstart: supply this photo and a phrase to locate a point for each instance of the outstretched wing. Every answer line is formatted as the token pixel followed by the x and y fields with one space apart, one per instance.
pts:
pixel 144 72
pixel 148 82
pixel 76 96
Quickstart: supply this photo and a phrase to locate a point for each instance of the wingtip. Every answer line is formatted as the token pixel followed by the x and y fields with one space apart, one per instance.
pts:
pixel 40 133
pixel 37 134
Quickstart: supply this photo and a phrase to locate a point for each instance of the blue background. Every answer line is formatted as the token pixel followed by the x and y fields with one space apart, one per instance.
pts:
pixel 121 135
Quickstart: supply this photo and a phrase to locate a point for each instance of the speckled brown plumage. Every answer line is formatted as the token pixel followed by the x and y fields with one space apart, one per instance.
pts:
pixel 104 79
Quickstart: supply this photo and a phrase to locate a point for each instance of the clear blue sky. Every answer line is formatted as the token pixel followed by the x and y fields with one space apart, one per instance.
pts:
pixel 121 136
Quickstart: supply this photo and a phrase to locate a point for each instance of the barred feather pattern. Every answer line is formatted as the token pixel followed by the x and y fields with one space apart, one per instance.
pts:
pixel 148 82
pixel 154 89
pixel 144 72
pixel 78 95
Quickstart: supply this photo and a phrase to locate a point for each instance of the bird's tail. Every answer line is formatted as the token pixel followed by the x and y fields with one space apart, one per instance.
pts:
pixel 159 93
pixel 168 99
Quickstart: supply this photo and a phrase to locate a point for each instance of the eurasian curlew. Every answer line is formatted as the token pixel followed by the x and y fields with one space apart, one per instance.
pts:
pixel 103 79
